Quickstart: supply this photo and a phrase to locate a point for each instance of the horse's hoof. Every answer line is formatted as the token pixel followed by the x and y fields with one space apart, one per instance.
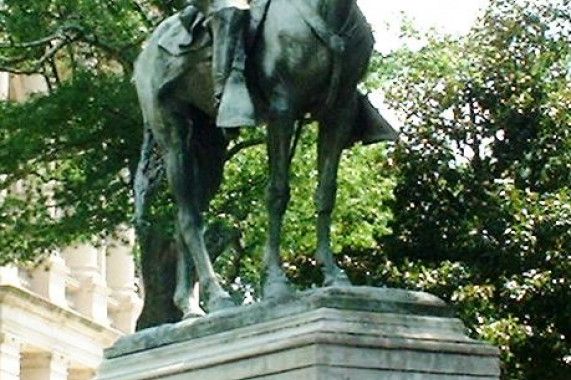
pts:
pixel 218 298
pixel 220 302
pixel 338 279
pixel 277 287
pixel 193 313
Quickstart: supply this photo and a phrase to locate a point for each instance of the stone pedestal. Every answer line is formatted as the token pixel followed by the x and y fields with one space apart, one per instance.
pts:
pixel 325 334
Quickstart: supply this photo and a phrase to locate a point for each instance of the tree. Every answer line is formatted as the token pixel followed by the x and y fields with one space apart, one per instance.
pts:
pixel 70 151
pixel 482 203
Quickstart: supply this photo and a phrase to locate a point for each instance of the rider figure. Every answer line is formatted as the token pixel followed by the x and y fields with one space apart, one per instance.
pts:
pixel 228 19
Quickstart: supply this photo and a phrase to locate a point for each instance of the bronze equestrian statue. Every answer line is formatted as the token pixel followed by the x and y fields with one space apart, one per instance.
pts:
pixel 305 58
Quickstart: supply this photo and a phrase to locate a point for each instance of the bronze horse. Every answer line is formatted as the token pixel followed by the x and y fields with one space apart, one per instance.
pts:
pixel 307 58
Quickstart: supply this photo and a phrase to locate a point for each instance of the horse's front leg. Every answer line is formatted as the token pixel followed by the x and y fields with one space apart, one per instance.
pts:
pixel 279 140
pixel 334 132
pixel 182 173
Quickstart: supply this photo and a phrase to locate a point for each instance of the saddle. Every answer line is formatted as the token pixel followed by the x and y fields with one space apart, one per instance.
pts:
pixel 183 37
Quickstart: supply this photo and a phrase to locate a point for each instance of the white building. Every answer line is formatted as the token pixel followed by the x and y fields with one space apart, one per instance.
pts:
pixel 19 87
pixel 58 316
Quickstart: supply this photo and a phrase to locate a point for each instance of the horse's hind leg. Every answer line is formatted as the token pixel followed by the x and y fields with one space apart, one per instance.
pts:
pixel 209 152
pixel 182 173
pixel 184 296
pixel 280 132
pixel 334 132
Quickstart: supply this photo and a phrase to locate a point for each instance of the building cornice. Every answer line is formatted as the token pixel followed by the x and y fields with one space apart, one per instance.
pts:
pixel 37 322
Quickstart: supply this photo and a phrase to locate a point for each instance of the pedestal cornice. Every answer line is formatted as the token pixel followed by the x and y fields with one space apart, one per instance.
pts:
pixel 355 333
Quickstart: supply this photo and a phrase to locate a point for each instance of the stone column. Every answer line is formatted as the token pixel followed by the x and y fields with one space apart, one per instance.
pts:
pixel 121 280
pixel 44 366
pixel 9 276
pixel 90 299
pixel 49 280
pixel 81 374
pixel 9 357
pixel 4 86
pixel 22 86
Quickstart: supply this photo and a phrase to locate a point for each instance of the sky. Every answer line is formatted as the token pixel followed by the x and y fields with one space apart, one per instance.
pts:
pixel 446 16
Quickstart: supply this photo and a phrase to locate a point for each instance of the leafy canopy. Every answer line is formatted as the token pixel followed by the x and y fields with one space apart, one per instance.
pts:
pixel 483 197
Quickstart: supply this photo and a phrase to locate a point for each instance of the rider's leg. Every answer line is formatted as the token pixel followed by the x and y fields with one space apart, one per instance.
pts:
pixel 229 58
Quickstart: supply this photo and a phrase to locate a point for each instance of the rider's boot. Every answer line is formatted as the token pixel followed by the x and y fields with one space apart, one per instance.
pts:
pixel 236 108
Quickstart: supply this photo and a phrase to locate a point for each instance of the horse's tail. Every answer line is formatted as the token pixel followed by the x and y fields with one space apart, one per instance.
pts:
pixel 370 126
pixel 150 171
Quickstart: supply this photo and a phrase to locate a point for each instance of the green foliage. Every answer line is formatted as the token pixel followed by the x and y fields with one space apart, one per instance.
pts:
pixel 67 156
pixel 56 37
pixel 484 180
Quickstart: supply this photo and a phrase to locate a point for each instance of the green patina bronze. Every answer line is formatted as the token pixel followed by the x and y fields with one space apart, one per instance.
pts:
pixel 299 58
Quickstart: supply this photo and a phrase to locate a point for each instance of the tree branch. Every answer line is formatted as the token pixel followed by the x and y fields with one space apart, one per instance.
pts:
pixel 144 15
pixel 13 70
pixel 51 52
pixel 27 45
pixel 48 81
pixel 242 145
pixel 53 67
pixel 12 61
pixel 66 35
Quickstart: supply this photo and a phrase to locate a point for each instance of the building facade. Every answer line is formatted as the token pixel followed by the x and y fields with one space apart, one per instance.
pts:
pixel 58 315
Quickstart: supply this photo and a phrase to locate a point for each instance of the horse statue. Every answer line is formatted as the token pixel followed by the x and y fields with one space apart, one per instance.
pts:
pixel 305 61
